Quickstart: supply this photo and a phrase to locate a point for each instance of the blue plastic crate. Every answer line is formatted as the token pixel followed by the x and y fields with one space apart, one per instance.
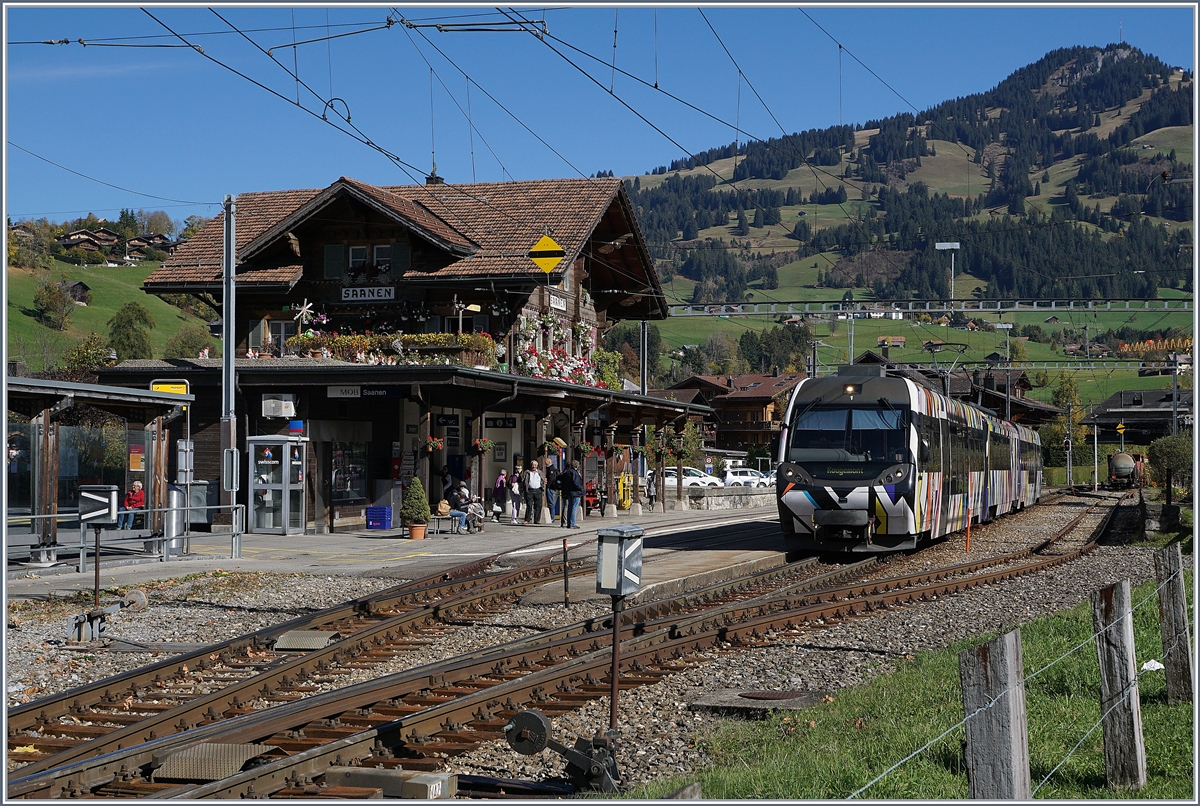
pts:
pixel 379 517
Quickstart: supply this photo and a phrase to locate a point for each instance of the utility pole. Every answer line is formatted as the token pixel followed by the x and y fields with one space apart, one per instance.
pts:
pixel 643 352
pixel 228 345
pixel 1070 445
pixel 1175 395
pixel 1095 452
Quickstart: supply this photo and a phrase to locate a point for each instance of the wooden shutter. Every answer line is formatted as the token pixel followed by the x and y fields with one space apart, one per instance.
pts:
pixel 335 261
pixel 401 257
pixel 254 340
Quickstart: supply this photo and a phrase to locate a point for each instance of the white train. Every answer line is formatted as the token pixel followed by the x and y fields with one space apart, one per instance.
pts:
pixel 870 463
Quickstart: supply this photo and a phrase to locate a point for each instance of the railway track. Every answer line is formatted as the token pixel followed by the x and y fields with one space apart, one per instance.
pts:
pixel 413 719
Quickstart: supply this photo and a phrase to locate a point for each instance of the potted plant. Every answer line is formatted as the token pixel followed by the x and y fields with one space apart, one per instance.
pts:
pixel 484 445
pixel 414 512
pixel 433 444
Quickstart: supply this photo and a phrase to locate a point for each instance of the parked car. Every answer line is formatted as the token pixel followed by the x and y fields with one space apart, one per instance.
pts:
pixel 770 479
pixel 691 478
pixel 744 477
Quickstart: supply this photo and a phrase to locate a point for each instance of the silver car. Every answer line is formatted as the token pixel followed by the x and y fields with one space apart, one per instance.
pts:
pixel 744 477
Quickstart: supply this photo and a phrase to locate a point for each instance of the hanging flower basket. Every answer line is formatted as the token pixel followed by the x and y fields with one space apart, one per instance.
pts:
pixel 433 444
pixel 484 445
pixel 585 449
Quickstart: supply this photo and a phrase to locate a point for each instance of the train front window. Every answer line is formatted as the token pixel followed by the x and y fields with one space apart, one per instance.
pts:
pixel 849 435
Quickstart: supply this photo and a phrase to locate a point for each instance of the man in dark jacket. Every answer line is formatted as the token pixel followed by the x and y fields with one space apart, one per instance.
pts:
pixel 570 484
pixel 552 494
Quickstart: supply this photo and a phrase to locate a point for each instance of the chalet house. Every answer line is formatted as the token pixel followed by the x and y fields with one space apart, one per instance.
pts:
pixel 1053 320
pixel 22 230
pixel 393 326
pixel 77 290
pixel 137 245
pixel 81 239
pixel 1146 414
pixel 748 409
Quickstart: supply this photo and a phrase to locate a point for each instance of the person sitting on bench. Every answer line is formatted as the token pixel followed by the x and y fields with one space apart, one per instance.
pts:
pixel 135 500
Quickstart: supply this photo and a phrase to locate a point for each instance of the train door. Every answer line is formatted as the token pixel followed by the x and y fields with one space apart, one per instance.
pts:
pixel 947 485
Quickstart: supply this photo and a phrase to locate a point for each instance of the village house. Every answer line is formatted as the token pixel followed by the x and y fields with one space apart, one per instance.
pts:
pixel 381 331
pixel 747 409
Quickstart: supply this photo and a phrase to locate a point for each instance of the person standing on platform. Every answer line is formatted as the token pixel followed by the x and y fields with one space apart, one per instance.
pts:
pixel 570 484
pixel 532 483
pixel 499 495
pixel 552 496
pixel 514 497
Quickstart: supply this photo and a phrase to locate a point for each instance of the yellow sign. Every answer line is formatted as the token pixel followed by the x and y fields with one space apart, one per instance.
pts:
pixel 547 254
pixel 180 388
pixel 1120 428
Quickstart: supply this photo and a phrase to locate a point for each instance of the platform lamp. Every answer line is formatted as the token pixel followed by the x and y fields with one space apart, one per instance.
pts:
pixel 953 247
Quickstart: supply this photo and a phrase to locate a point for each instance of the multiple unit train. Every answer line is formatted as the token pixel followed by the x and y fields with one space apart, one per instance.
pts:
pixel 870 463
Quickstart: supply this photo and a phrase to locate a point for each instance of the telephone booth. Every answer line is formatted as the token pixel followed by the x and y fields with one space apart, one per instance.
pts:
pixel 276 502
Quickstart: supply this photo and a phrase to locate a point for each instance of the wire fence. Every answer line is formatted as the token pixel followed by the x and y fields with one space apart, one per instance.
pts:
pixel 1089 641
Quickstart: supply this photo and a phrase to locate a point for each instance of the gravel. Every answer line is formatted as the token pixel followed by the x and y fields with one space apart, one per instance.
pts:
pixel 658 731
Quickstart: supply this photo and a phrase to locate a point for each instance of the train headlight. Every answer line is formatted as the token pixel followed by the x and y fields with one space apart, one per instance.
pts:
pixel 899 474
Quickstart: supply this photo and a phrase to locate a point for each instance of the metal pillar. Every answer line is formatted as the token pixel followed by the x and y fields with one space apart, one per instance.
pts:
pixel 228 337
pixel 610 477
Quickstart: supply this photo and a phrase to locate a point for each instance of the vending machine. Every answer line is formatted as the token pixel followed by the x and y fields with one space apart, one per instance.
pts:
pixel 277 466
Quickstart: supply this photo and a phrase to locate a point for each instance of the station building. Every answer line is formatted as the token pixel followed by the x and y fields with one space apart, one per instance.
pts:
pixel 382 330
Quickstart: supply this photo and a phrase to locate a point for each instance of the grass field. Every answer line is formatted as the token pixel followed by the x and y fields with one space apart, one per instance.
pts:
pixel 33 342
pixel 833 749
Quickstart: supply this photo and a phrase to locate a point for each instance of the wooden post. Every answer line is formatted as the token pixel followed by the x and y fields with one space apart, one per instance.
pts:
pixel 610 476
pixel 477 460
pixel 1124 748
pixel 660 466
pixel 635 508
pixel 424 431
pixel 994 703
pixel 678 468
pixel 1173 622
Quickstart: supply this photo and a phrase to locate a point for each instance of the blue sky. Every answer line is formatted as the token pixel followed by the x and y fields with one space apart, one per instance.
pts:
pixel 171 123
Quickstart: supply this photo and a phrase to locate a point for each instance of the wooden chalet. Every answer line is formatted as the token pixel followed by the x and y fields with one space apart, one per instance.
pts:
pixel 747 409
pixel 456 333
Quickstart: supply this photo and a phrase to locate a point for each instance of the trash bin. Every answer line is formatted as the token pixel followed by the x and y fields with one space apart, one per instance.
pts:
pixel 174 520
pixel 200 495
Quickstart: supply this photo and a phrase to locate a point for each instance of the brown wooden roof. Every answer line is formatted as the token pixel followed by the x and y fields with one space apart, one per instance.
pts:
pixel 489 228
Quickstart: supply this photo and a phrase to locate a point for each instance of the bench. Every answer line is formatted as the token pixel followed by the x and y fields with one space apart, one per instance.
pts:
pixel 441 523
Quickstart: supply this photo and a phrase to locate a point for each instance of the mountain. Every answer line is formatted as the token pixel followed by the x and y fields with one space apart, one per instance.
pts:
pixel 1061 181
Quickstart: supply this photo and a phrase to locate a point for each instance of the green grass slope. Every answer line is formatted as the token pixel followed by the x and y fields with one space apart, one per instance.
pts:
pixel 37 345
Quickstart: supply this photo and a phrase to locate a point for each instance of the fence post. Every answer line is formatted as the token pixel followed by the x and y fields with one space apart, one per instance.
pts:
pixel 994 702
pixel 1173 622
pixel 1120 705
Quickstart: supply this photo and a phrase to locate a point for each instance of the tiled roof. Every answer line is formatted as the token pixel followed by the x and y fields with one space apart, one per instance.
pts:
pixel 747 387
pixel 198 260
pixel 503 220
pixel 507 218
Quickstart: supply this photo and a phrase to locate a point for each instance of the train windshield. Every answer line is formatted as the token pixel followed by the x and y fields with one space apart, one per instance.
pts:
pixel 849 435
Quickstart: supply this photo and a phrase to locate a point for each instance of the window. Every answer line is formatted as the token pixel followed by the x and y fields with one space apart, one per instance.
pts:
pixel 335 261
pixel 383 255
pixel 358 256
pixel 281 330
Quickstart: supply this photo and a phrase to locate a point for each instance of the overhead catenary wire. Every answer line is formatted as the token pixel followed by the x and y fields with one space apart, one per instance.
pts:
pixel 107 184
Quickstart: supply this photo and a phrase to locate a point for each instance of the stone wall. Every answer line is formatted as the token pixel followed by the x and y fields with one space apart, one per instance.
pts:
pixel 724 498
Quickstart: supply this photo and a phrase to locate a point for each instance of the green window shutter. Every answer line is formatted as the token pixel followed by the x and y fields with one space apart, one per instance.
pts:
pixel 401 257
pixel 335 261
pixel 254 340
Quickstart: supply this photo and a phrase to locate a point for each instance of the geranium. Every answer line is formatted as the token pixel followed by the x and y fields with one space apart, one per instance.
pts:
pixel 585 449
pixel 484 445
pixel 433 444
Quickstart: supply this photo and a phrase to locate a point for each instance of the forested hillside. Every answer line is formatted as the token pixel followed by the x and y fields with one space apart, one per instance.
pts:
pixel 1065 194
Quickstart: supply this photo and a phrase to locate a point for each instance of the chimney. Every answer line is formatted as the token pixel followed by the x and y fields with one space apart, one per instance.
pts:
pixel 729 381
pixel 885 347
pixel 775 371
pixel 990 382
pixel 434 179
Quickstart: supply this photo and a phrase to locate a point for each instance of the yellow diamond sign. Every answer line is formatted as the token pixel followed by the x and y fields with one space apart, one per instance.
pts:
pixel 546 253
pixel 1120 428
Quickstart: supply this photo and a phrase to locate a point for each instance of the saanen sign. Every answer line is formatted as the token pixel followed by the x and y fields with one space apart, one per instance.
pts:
pixel 370 293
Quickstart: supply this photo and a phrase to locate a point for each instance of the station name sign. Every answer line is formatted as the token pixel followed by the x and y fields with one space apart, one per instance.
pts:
pixel 369 293
pixel 345 392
